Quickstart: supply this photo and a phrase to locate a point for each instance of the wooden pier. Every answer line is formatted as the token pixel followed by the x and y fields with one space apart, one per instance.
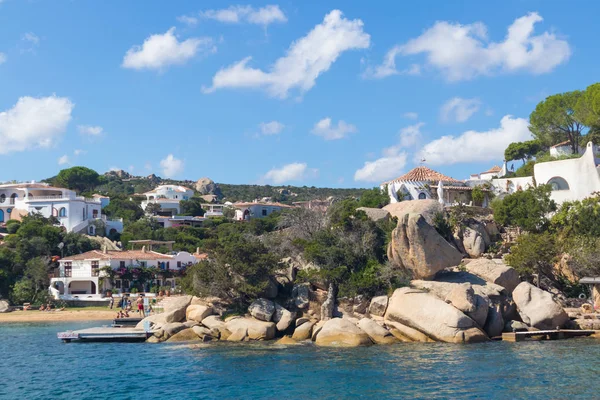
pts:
pixel 555 334
pixel 106 334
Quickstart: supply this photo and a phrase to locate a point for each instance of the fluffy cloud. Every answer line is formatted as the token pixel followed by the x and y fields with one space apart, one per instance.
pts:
pixel 306 59
pixel 290 172
pixel 271 128
pixel 63 160
pixel 163 50
pixel 329 131
pixel 459 110
pixel 34 122
pixel 394 158
pixel 473 146
pixel 90 130
pixel 236 14
pixel 463 51
pixel 171 166
pixel 78 152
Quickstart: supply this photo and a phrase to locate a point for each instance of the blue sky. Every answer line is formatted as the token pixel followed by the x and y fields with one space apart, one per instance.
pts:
pixel 337 93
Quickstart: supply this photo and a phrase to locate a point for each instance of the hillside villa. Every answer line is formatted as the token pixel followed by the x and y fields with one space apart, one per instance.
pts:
pixel 168 198
pixel 74 213
pixel 80 277
pixel 247 211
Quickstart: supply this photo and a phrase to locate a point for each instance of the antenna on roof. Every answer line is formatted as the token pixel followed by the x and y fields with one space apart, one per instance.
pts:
pixel 422 161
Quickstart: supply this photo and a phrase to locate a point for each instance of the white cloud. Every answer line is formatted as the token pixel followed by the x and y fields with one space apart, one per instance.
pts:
pixel 388 67
pixel 31 37
pixel 290 172
pixel 458 109
pixel 327 131
pixel 90 130
pixel 63 160
pixel 306 59
pixel 394 157
pixel 163 50
pixel 78 152
pixel 171 166
pixel 188 20
pixel 237 14
pixel 271 128
pixel 410 115
pixel 463 51
pixel 2 58
pixel 34 122
pixel 473 146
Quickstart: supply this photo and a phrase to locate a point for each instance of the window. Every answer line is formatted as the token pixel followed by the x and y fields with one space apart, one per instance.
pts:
pixel 68 269
pixel 264 212
pixel 118 284
pixel 94 214
pixel 167 265
pixel 13 197
pixel 558 183
pixel 178 264
pixel 62 212
pixel 143 263
pixel 2 198
pixel 121 264
pixel 422 196
pixel 95 268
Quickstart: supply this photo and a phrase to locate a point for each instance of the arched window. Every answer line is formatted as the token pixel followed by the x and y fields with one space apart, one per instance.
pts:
pixel 422 196
pixel 2 198
pixel 13 197
pixel 558 183
pixel 1 216
pixel 62 212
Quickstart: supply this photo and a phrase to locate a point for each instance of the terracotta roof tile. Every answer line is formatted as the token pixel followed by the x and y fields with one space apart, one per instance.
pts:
pixel 495 168
pixel 566 142
pixel 424 174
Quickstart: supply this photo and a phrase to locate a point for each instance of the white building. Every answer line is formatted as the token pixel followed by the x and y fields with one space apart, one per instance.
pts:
pixel 247 211
pixel 74 213
pixel 564 149
pixel 80 276
pixel 422 182
pixel 168 197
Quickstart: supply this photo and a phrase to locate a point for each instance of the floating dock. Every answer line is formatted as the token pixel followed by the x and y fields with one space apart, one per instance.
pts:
pixel 555 334
pixel 106 334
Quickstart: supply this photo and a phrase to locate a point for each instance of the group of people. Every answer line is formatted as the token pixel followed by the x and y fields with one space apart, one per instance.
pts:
pixel 126 306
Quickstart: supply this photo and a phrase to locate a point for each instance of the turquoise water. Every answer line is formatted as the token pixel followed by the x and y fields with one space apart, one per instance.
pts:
pixel 35 365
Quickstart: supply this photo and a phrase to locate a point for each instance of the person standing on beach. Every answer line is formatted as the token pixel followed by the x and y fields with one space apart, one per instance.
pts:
pixel 111 302
pixel 140 306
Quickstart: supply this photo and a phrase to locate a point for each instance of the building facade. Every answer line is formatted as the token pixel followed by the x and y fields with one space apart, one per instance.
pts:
pixel 74 213
pixel 168 198
pixel 81 276
pixel 247 211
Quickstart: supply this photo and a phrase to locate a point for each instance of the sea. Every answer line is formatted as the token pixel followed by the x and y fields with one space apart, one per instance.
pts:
pixel 34 364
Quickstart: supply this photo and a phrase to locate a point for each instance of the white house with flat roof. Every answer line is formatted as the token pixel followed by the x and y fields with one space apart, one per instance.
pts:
pixel 168 198
pixel 79 276
pixel 74 213
pixel 247 211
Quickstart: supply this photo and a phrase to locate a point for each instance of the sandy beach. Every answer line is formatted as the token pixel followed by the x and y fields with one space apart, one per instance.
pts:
pixel 57 316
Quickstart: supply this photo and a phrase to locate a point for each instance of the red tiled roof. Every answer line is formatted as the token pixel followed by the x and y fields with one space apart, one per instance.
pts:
pixel 262 204
pixel 495 168
pixel 424 174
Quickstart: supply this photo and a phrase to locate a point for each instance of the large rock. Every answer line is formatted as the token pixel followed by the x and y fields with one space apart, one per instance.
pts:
pixel 417 246
pixel 339 332
pixel 495 271
pixel 207 186
pixel 375 214
pixel 378 306
pixel 283 318
pixel 185 335
pixel 328 305
pixel 427 208
pixel 4 306
pixel 213 322
pixel 360 304
pixel 177 303
pixel 197 312
pixel 160 319
pixel 303 331
pixel 173 328
pixel 204 333
pixel 515 326
pixel 482 307
pixel 472 242
pixel 432 316
pixel 494 325
pixel 256 329
pixel 537 308
pixel 376 332
pixel 405 333
pixel 300 294
pixel 262 309
pixel 462 296
pixel 480 285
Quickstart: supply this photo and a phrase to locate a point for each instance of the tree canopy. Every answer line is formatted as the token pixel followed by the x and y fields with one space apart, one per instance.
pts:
pixel 527 209
pixel 522 150
pixel 80 179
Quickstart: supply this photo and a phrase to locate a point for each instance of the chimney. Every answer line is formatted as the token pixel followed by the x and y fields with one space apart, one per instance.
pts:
pixel 104 249
pixel 143 249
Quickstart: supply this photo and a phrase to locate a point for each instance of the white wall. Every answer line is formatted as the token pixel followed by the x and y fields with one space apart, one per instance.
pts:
pixel 511 185
pixel 581 174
